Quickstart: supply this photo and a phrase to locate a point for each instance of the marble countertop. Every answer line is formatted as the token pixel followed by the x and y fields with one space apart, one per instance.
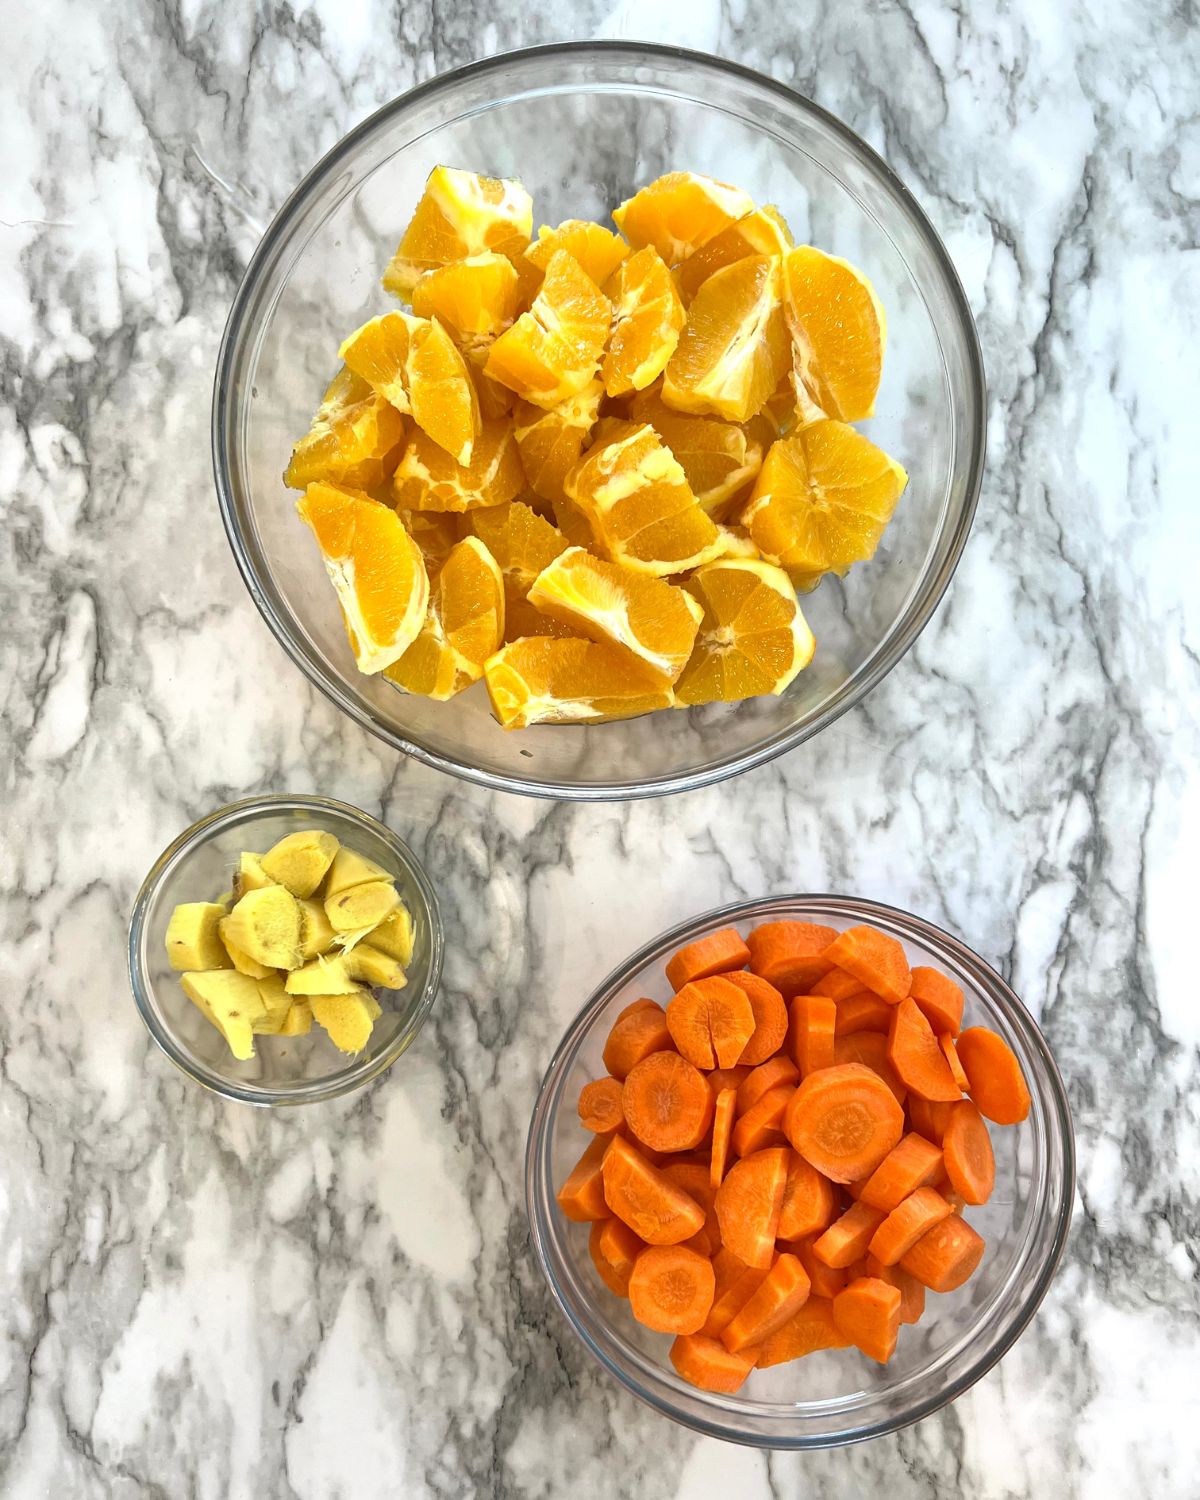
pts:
pixel 202 1300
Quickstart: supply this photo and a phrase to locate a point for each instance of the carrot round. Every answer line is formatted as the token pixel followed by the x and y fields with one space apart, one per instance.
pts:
pixel 912 1163
pixel 762 1124
pixel 781 1295
pixel 642 1197
pixel 906 1223
pixel 727 1078
pixel 691 1177
pixel 839 985
pixel 731 1298
pixel 994 1076
pixel 940 999
pixel 863 1012
pixel 808 1202
pixel 707 1364
pixel 639 1030
pixel 581 1196
pixel 946 1256
pixel 770 1017
pixel 950 1052
pixel 710 1022
pixel 844 1120
pixel 870 1049
pixel 600 1106
pixel 808 1330
pixel 722 1133
pixel 667 1103
pixel 790 955
pixel 875 960
pixel 748 1204
pixel 767 1076
pixel 614 1247
pixel 827 1281
pixel 912 1293
pixel 929 1119
pixel 671 1289
pixel 912 1049
pixel 713 954
pixel 813 1023
pixel 967 1150
pixel 868 1314
pixel 847 1238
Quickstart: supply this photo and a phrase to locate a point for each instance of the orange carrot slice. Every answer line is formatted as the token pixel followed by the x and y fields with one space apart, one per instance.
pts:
pixel 929 1119
pixel 790 955
pixel 950 1052
pixel 863 1012
pixel 844 1120
pixel 868 1314
pixel 808 1202
pixel 671 1289
pixel 642 1197
pixel 839 985
pixel 634 1006
pixel 781 1295
pixel 808 1330
pixel 713 954
pixel 827 1281
pixel 732 1299
pixel 912 1293
pixel 939 997
pixel 581 1196
pixel 874 959
pixel 707 1364
pixel 847 1238
pixel 614 1247
pixel 870 1049
pixel 913 1163
pixel 691 1177
pixel 811 1032
pixel 770 1017
pixel 762 1124
pixel 748 1205
pixel 710 1021
pixel 638 1031
pixel 997 1084
pixel 767 1076
pixel 600 1106
pixel 967 1149
pixel 667 1103
pixel 723 1115
pixel 913 1051
pixel 945 1257
pixel 906 1223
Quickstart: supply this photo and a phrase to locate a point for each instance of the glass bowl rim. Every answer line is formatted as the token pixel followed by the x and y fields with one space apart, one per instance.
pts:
pixel 918 612
pixel 1059 1128
pixel 305 1091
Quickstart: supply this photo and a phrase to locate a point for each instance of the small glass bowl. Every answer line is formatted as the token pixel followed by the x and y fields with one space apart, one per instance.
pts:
pixel 199 866
pixel 836 1397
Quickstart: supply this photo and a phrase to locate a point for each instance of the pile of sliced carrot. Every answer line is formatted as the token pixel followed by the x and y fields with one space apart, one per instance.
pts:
pixel 781 1157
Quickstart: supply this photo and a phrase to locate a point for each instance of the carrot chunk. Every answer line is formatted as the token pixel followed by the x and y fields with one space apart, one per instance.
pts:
pixel 762 1124
pixel 808 1330
pixel 748 1205
pixel 844 1120
pixel 781 1295
pixel 767 1076
pixel 839 985
pixel 811 1033
pixel 929 1119
pixel 939 997
pixel 671 1289
pixel 874 959
pixel 912 1293
pixel 600 1106
pixel 994 1075
pixel 911 1164
pixel 790 955
pixel 808 1202
pixel 614 1247
pixel 644 1198
pixel 634 1006
pixel 913 1051
pixel 581 1196
pixel 863 1012
pixel 847 1238
pixel 691 1177
pixel 710 1022
pixel 706 1363
pixel 967 1149
pixel 950 1052
pixel 946 1256
pixel 870 1049
pixel 667 1103
pixel 723 1114
pixel 906 1223
pixel 639 1030
pixel 827 1281
pixel 727 1078
pixel 732 1299
pixel 868 1314
pixel 770 1017
pixel 713 954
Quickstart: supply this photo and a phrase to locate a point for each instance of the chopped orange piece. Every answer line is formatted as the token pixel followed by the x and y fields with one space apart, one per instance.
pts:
pixel 429 479
pixel 552 351
pixel 378 353
pixel 753 638
pixel 463 627
pixel 523 543
pixel 680 212
pixel 838 332
pixel 435 532
pixel 552 440
pixel 475 298
pixel 544 680
pixel 763 231
pixel 719 459
pixel 647 320
pixel 460 214
pixel 441 391
pixel 598 250
pixel 356 439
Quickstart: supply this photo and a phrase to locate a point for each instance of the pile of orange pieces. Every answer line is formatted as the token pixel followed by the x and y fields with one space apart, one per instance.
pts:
pixel 594 468
pixel 783 1156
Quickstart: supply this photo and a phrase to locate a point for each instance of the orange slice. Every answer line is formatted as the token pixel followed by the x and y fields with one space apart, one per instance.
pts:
pixel 639 505
pixel 719 459
pixel 356 438
pixel 548 680
pixel 375 567
pixel 838 330
pixel 441 391
pixel 553 351
pixel 647 319
pixel 763 231
pixel 460 214
pixel 434 531
pixel 752 639
pixel 608 603
pixel 551 441
pixel 523 543
pixel 378 353
pixel 427 478
pixel 475 298
pixel 598 250
pixel 680 212
pixel 822 499
pixel 734 349
pixel 463 627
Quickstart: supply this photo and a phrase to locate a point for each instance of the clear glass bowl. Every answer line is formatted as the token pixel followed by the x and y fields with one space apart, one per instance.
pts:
pixel 583 126
pixel 836 1397
pixel 199 866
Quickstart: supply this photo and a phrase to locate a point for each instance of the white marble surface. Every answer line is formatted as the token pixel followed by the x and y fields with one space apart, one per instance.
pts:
pixel 200 1300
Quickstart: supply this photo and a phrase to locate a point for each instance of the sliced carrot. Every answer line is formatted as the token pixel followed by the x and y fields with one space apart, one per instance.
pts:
pixel 762 1124
pixel 906 1223
pixel 732 1299
pixel 667 1103
pixel 810 1329
pixel 636 1034
pixel 727 1269
pixel 634 1006
pixel 912 1049
pixel 994 1075
pixel 770 1017
pixel 945 1257
pixel 875 960
pixel 707 1364
pixel 727 1078
pixel 600 1106
pixel 713 954
pixel 847 1238
pixel 827 1281
pixel 939 997
pixel 808 1203
pixel 642 1197
pixel 748 1205
pixel 790 955
pixel 614 1247
pixel 782 1294
pixel 692 1178
pixel 929 1119
pixel 839 985
pixel 710 1021
pixel 950 1052
pixel 863 1012
pixel 844 1120
pixel 581 1196
pixel 967 1149
pixel 671 1289
pixel 767 1076
pixel 813 1021
pixel 868 1314
pixel 912 1293
pixel 911 1164
pixel 723 1115
pixel 870 1049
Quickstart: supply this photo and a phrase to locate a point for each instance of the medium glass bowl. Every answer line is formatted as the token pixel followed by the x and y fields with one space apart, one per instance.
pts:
pixel 199 866
pixel 583 126
pixel 835 1397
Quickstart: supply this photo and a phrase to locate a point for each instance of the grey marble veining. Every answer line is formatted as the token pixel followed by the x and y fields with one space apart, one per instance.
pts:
pixel 199 1300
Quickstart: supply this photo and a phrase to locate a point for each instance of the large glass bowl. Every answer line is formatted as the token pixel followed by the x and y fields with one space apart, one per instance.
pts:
pixel 837 1397
pixel 583 126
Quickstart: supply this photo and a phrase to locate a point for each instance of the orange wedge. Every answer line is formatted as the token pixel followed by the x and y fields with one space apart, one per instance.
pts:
pixel 752 639
pixel 763 231
pixel 441 391
pixel 735 348
pixel 523 543
pixel 356 438
pixel 427 478
pixel 463 627
pixel 821 500
pixel 719 459
pixel 553 351
pixel 375 567
pixel 434 531
pixel 552 440
pixel 680 212
pixel 378 353
pixel 647 319
pixel 460 214
pixel 639 505
pixel 838 330
pixel 605 602
pixel 548 680
pixel 475 298
pixel 598 250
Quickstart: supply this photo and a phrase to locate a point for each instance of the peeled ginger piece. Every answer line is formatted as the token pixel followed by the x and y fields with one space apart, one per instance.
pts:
pixel 250 876
pixel 393 936
pixel 194 938
pixel 300 861
pixel 277 1002
pixel 361 905
pixel 324 976
pixel 347 1018
pixel 316 934
pixel 299 1019
pixel 374 968
pixel 232 1002
pixel 265 925
pixel 242 962
pixel 349 868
